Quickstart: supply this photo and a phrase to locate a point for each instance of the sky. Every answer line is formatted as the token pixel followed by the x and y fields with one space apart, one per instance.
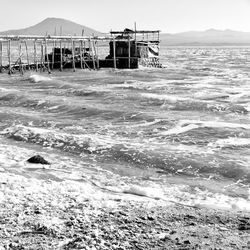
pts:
pixel 169 16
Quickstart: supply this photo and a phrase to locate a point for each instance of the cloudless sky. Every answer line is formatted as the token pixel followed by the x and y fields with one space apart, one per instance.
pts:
pixel 103 15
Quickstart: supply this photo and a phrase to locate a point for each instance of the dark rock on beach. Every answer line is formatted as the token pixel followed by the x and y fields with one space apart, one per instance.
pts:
pixel 38 159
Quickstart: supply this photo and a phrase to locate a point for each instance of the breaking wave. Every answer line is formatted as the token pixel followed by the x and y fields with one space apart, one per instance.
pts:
pixel 187 125
pixel 38 78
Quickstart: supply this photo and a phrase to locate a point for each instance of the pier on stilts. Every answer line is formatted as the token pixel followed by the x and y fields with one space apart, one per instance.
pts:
pixel 120 49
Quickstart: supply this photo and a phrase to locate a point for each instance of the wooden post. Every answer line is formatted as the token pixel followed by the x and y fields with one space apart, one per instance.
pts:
pixel 47 56
pixel 53 54
pixel 73 55
pixel 27 54
pixel 42 65
pixel 158 44
pixel 1 57
pixel 61 57
pixel 83 59
pixel 81 53
pixel 97 53
pixel 129 53
pixel 91 43
pixel 35 56
pixel 9 56
pixel 135 42
pixel 84 51
pixel 114 52
pixel 20 57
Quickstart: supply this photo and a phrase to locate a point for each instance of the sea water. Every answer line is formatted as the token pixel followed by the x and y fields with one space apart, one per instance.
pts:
pixel 179 133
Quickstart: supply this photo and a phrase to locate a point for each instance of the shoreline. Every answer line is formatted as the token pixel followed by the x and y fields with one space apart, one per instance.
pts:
pixel 44 214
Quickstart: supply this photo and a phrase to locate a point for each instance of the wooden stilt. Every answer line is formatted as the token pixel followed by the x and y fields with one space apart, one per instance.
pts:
pixel 81 54
pixel 35 56
pixel 61 57
pixel 97 53
pixel 135 42
pixel 53 54
pixel 129 53
pixel 20 57
pixel 42 64
pixel 47 56
pixel 83 58
pixel 84 51
pixel 27 54
pixel 73 54
pixel 9 56
pixel 91 43
pixel 114 53
pixel 1 57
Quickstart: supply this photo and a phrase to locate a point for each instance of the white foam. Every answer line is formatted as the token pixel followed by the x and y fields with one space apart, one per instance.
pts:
pixel 3 90
pixel 41 102
pixel 232 141
pixel 38 78
pixel 54 107
pixel 180 129
pixel 143 191
pixel 222 201
pixel 144 124
pixel 169 98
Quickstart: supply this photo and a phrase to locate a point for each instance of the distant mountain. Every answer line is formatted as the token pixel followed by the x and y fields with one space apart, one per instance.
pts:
pixel 208 37
pixel 54 26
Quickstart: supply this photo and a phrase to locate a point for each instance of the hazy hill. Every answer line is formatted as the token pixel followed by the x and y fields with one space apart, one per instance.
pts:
pixel 208 37
pixel 52 26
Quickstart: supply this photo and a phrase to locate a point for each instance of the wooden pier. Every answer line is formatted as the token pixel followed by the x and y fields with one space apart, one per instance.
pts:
pixel 121 49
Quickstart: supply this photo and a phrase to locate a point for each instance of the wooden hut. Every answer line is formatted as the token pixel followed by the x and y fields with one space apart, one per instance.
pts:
pixel 130 49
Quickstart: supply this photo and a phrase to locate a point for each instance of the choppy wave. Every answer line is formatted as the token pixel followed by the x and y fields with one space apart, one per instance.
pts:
pixel 189 122
pixel 56 139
